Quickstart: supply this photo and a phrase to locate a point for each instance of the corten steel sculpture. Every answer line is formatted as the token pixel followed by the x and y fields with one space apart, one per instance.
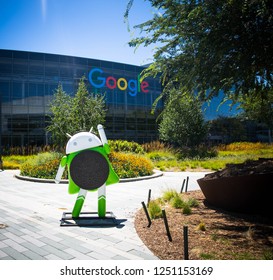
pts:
pixel 89 168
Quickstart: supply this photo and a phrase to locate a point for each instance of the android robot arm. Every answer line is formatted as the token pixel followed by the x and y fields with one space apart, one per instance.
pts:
pixel 103 139
pixel 61 170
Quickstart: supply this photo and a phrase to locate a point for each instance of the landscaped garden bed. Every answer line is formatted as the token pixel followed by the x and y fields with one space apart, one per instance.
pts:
pixel 213 233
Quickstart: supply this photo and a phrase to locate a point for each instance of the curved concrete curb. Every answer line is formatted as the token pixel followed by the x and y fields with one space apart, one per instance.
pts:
pixel 156 174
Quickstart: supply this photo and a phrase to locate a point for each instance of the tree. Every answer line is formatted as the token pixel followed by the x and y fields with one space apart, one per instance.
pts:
pixel 60 117
pixel 87 110
pixel 231 129
pixel 73 114
pixel 259 109
pixel 208 46
pixel 182 121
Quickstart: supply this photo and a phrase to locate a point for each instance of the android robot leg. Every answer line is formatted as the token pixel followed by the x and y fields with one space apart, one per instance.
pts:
pixel 79 203
pixel 102 201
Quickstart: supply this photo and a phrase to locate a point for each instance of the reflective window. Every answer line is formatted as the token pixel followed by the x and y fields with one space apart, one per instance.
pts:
pixel 5 91
pixel 6 53
pixel 66 71
pixel 18 90
pixel 80 60
pixel 93 63
pixel 66 59
pixel 68 88
pixel 21 55
pixel 36 56
pixel 52 57
pixel 20 67
pixel 51 71
pixel 120 97
pixel 107 64
pixel 5 66
pixel 36 68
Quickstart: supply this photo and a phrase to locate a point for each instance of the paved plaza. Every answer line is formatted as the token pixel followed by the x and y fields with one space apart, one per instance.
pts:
pixel 30 214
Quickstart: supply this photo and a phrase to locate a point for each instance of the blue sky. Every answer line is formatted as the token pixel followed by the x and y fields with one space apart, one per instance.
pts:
pixel 85 28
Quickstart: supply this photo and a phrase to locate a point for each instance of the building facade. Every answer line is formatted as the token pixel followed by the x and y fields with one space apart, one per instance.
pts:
pixel 28 81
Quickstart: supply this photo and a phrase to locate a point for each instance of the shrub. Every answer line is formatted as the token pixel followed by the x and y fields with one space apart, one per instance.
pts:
pixel 244 146
pixel 169 194
pixel 44 165
pixel 186 209
pixel 10 165
pixel 199 152
pixel 201 226
pixel 193 202
pixel 156 146
pixel 154 209
pixel 177 202
pixel 130 166
pixel 14 161
pixel 125 146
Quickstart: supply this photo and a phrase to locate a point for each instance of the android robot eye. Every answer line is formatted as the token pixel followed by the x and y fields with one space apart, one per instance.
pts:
pixel 89 170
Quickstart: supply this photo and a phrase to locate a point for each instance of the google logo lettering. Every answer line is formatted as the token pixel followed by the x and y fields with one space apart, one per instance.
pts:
pixel 97 80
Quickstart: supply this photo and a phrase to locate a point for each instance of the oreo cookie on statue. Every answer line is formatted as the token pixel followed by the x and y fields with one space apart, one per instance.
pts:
pixel 89 170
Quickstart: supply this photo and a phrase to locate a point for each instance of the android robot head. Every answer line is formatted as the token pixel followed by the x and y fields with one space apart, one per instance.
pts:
pixel 82 141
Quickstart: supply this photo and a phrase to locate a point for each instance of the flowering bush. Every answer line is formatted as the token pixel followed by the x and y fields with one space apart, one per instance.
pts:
pixel 130 165
pixel 45 165
pixel 125 146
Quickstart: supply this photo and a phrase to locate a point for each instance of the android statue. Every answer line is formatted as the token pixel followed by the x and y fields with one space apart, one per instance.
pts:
pixel 89 168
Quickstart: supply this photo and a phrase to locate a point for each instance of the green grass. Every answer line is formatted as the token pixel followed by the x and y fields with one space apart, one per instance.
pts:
pixel 154 209
pixel 186 209
pixel 172 163
pixel 177 202
pixel 244 256
pixel 207 256
pixel 169 194
pixel 268 255
pixel 161 156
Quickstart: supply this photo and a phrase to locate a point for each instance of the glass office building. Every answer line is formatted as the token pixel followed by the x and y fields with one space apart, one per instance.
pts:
pixel 28 81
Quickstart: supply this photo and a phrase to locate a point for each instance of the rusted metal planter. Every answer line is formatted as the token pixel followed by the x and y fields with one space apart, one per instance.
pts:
pixel 243 194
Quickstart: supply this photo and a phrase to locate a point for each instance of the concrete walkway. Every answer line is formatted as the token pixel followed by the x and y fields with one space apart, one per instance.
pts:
pixel 30 214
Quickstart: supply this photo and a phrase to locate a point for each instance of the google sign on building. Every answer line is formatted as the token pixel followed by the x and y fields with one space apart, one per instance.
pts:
pixel 98 79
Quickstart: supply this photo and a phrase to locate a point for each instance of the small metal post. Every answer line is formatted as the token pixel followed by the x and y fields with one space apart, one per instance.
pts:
pixel 149 197
pixel 147 214
pixel 187 184
pixel 166 225
pixel 182 188
pixel 186 243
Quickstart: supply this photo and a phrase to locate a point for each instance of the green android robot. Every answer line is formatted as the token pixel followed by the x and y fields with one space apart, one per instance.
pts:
pixel 89 168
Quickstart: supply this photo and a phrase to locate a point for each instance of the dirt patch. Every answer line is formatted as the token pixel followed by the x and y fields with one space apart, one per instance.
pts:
pixel 249 167
pixel 225 235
